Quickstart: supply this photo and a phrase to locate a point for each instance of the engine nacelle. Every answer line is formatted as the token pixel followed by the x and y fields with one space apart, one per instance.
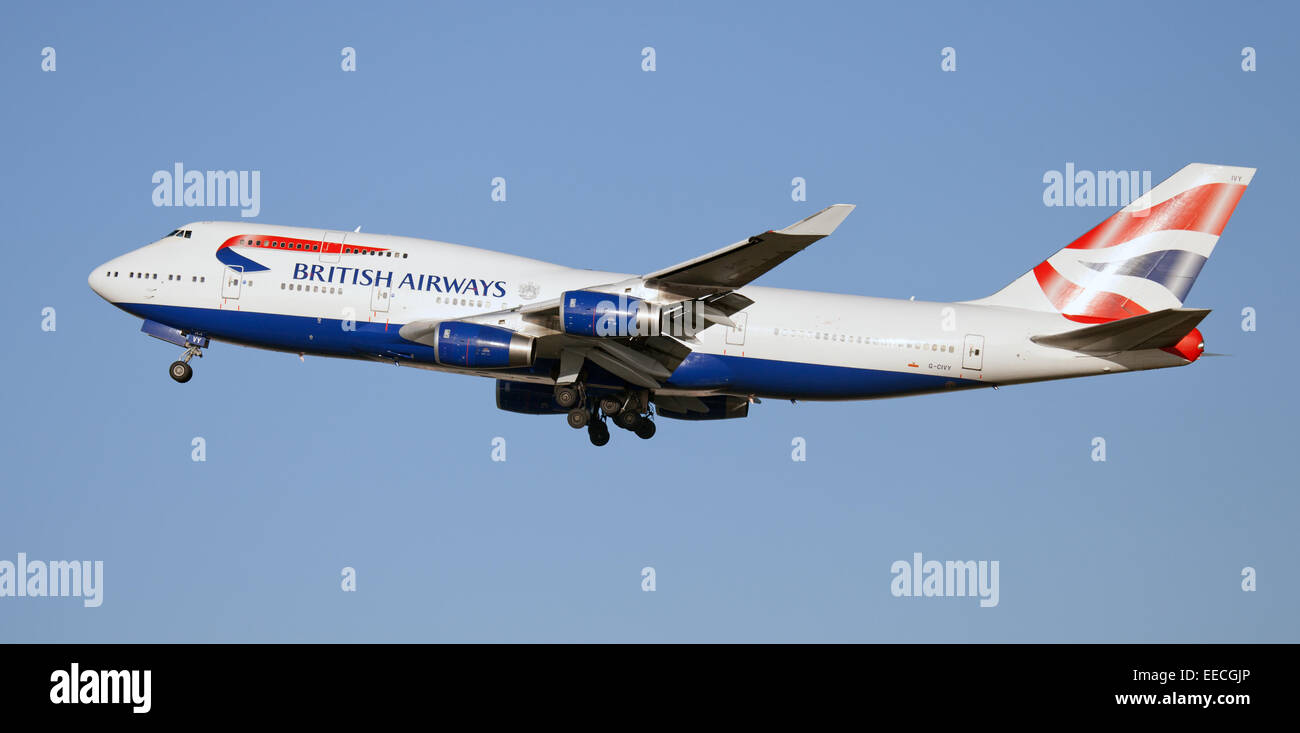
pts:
pixel 475 346
pixel 588 313
pixel 721 407
pixel 528 398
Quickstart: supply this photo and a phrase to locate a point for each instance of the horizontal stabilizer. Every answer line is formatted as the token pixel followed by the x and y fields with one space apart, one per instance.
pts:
pixel 1157 330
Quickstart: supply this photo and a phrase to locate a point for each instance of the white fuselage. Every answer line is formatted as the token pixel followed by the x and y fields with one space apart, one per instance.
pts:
pixel 788 343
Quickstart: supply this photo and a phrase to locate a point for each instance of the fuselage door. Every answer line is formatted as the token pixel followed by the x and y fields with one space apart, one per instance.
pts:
pixel 736 336
pixel 234 277
pixel 380 295
pixel 331 246
pixel 973 356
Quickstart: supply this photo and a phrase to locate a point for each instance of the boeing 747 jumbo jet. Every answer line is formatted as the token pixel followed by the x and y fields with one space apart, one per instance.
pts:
pixel 694 341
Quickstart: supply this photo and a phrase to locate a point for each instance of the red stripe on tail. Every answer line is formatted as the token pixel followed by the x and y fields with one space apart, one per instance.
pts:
pixel 1082 305
pixel 1205 208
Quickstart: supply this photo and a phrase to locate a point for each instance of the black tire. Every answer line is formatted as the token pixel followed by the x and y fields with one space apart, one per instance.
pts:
pixel 611 404
pixel 646 430
pixel 627 420
pixel 566 396
pixel 579 417
pixel 181 371
pixel 598 433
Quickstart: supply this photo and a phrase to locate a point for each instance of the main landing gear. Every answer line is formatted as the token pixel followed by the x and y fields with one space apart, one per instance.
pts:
pixel 625 410
pixel 181 370
pixel 598 432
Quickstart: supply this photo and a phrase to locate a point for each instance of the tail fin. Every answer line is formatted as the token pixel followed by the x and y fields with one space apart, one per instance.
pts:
pixel 1143 258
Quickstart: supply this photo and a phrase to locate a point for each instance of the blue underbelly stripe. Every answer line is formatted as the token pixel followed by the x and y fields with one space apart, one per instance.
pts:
pixel 739 375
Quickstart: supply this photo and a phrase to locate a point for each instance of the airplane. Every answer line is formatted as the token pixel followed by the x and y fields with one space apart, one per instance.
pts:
pixel 694 341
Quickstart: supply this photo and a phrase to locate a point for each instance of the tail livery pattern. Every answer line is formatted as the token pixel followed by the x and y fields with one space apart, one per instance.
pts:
pixel 1142 259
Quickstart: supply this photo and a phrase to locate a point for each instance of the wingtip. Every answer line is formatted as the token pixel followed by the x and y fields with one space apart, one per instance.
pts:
pixel 823 222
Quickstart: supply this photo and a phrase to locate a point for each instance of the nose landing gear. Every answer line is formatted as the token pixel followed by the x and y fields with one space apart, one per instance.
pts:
pixel 181 370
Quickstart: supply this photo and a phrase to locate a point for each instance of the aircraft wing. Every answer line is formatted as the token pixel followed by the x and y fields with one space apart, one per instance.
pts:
pixel 712 278
pixel 741 263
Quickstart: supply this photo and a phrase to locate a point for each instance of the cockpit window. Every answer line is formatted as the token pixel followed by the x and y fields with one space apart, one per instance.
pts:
pixel 183 233
pixel 174 232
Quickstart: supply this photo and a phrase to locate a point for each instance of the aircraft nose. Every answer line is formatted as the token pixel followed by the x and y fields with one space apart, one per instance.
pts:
pixel 98 280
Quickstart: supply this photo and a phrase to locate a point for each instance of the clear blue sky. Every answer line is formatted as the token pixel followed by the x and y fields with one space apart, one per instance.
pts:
pixel 324 464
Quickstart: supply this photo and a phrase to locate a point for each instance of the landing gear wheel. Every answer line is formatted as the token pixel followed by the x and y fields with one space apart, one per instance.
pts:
pixel 181 371
pixel 627 419
pixel 567 395
pixel 598 433
pixel 579 417
pixel 646 429
pixel 611 404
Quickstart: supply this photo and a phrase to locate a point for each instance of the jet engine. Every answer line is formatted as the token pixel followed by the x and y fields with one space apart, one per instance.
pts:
pixel 589 313
pixel 475 346
pixel 528 398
